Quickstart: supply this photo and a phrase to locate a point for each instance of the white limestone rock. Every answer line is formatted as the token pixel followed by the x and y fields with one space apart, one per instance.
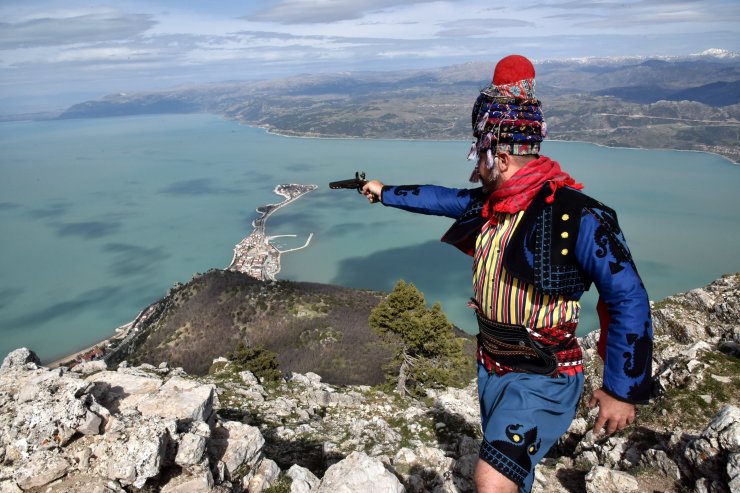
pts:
pixel 19 359
pixel 359 473
pixel 190 450
pixel 43 407
pixel 77 482
pixel 266 473
pixel 181 399
pixel 196 479
pixel 604 480
pixel 235 444
pixel 90 367
pixel 41 468
pixel 91 424
pixel 323 398
pixel 134 449
pixel 303 480
pixel 578 426
pixel 708 453
pixel 659 459
pixel 9 486
pixel 697 349
pixel 462 403
pixel 120 391
pixel 300 378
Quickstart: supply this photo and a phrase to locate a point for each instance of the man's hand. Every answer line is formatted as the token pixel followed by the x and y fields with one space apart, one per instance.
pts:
pixel 614 413
pixel 372 190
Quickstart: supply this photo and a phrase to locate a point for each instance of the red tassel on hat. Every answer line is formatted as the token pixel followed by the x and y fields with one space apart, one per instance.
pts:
pixel 511 69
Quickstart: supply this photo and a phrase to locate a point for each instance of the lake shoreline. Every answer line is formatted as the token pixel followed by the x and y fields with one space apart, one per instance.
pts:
pixel 272 131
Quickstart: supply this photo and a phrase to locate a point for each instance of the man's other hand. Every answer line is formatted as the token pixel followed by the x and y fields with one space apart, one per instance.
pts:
pixel 614 413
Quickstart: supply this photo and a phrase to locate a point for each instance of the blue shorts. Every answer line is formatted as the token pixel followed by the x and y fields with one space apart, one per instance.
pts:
pixel 522 416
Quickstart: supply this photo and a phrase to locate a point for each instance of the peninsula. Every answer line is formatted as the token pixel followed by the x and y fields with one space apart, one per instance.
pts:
pixel 255 255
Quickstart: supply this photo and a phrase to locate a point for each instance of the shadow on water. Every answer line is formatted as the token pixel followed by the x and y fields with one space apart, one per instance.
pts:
pixel 89 230
pixel 85 301
pixel 353 228
pixel 9 206
pixel 434 265
pixel 9 295
pixel 131 260
pixel 52 211
pixel 200 186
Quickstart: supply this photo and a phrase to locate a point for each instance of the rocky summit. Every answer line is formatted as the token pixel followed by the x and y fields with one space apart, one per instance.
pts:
pixel 155 428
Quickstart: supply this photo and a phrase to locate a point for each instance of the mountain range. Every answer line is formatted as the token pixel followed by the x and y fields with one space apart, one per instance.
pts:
pixel 689 103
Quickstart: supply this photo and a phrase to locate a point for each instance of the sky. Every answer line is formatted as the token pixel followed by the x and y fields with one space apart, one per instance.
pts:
pixel 54 53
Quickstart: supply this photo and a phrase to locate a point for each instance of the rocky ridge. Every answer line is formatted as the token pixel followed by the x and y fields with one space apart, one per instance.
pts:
pixel 155 428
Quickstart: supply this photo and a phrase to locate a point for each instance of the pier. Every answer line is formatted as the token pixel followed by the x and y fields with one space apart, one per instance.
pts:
pixel 255 255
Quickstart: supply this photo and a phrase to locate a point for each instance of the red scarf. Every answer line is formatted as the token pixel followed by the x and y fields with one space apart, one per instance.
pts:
pixel 516 193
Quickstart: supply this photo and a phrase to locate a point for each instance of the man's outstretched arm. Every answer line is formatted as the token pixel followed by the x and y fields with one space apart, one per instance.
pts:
pixel 423 199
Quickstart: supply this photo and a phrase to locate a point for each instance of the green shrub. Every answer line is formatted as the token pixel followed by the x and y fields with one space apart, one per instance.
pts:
pixel 260 361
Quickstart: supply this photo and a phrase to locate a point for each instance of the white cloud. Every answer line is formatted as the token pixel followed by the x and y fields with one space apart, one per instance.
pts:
pixel 324 11
pixel 51 43
pixel 53 31
pixel 104 54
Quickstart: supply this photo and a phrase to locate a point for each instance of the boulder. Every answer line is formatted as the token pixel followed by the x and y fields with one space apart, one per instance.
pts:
pixel 708 454
pixel 134 449
pixel 120 391
pixel 733 472
pixel 236 445
pixel 303 480
pixel 76 482
pixel 194 480
pixel 653 458
pixel 19 358
pixel 266 473
pixel 190 449
pixel 249 379
pixel 9 486
pixel 40 469
pixel 604 480
pixel 359 473
pixel 180 399
pixel 44 407
pixel 90 367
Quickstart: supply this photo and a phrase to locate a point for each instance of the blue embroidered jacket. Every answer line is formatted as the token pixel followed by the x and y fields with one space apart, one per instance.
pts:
pixel 562 248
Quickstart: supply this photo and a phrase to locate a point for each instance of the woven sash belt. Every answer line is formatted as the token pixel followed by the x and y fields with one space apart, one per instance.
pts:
pixel 512 346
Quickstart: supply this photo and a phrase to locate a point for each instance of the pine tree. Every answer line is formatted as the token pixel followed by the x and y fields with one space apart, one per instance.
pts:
pixel 428 354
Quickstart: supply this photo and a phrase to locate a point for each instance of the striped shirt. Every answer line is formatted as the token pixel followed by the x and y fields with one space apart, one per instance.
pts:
pixel 506 299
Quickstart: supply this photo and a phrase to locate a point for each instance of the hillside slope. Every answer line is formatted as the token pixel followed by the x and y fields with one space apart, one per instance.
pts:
pixel 312 327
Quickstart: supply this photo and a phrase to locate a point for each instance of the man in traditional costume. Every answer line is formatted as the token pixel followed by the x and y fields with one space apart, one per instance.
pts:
pixel 537 244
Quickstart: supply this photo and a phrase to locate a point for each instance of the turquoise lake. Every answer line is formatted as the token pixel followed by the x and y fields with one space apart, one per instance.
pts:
pixel 100 217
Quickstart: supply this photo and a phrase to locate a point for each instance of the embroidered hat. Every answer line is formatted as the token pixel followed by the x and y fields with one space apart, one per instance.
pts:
pixel 507 116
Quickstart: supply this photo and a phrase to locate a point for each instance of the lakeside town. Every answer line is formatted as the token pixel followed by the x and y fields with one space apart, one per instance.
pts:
pixel 254 255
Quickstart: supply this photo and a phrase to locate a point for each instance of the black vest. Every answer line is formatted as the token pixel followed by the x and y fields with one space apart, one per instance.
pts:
pixel 542 250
